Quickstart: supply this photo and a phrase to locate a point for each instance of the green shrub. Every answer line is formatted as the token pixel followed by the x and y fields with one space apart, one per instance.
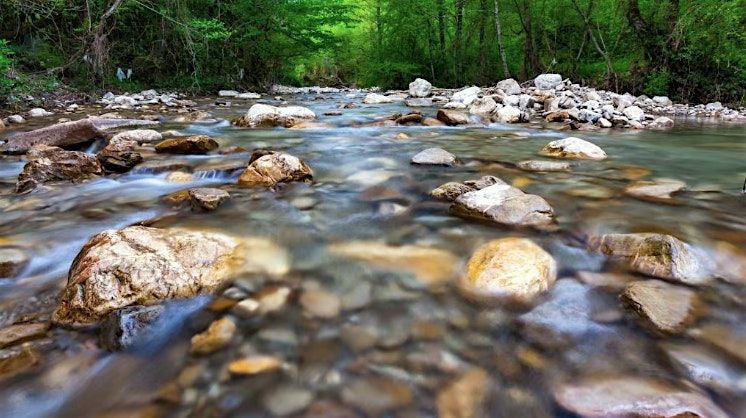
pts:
pixel 657 84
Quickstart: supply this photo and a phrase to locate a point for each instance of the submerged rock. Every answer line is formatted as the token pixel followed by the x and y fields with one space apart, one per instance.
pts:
pixel 466 396
pixel 574 148
pixel 661 123
pixel 656 255
pixel 266 116
pixel 207 198
pixel 20 333
pixel 662 307
pixel 199 144
pixel 376 395
pixel 536 165
pixel 631 396
pixel 506 205
pixel 655 190
pixel 420 88
pixel 58 135
pixel 253 365
pixel 12 261
pixel 707 367
pixel 730 338
pixel 434 156
pixel 49 164
pixel 142 266
pixel 429 265
pixel 453 117
pixel 216 337
pixel 273 168
pixel 565 318
pixel 509 269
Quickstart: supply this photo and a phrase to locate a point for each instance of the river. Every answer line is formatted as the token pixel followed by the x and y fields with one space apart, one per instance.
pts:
pixel 398 341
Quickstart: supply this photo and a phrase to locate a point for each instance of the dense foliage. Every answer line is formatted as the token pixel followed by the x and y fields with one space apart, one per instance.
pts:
pixel 689 49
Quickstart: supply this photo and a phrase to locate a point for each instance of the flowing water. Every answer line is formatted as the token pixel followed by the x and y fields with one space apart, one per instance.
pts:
pixel 404 339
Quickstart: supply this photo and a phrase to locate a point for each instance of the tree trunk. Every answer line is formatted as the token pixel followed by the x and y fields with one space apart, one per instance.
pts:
pixel 500 44
pixel 99 48
pixel 458 52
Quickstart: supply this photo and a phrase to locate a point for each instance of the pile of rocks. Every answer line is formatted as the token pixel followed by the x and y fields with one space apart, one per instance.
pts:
pixel 554 99
pixel 280 89
pixel 144 98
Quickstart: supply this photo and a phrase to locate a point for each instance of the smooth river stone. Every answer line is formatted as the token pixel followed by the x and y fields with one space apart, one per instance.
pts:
pixel 505 205
pixel 629 396
pixel 653 190
pixel 431 266
pixel 655 255
pixel 466 396
pixel 434 156
pixel 575 148
pixel 511 269
pixel 662 307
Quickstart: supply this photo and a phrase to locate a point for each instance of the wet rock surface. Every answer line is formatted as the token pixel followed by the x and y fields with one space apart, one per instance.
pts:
pixel 509 269
pixel 52 164
pixel 574 148
pixel 270 169
pixel 655 255
pixel 200 144
pixel 434 156
pixel 207 198
pixel 662 307
pixel 140 265
pixel 59 135
pixel 632 396
pixel 505 205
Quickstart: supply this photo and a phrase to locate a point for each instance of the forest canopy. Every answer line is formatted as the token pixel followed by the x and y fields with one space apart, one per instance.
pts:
pixel 691 50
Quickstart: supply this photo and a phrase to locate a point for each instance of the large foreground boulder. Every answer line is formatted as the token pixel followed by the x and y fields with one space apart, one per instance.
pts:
pixel 142 266
pixel 51 164
pixel 510 269
pixel 266 116
pixel 420 88
pixel 655 255
pixel 270 169
pixel 505 204
pixel 59 135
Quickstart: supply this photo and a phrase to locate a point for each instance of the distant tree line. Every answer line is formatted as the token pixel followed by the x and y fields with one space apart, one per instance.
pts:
pixel 692 50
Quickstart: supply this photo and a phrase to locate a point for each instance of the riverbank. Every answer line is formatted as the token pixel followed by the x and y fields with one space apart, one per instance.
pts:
pixel 549 97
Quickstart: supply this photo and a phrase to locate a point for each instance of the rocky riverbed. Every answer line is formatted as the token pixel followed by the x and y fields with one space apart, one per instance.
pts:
pixel 543 250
